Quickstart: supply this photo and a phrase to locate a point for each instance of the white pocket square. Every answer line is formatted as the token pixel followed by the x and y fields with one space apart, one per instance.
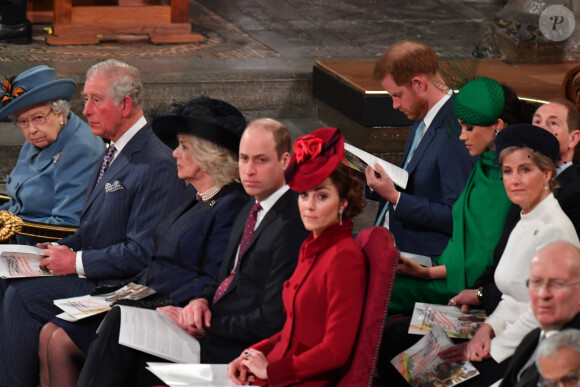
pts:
pixel 115 186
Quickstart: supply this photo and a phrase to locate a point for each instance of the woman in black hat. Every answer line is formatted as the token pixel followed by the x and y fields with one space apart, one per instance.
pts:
pixel 51 177
pixel 190 243
pixel 527 155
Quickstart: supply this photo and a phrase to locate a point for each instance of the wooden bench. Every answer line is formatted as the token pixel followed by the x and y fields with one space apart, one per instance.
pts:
pixel 88 21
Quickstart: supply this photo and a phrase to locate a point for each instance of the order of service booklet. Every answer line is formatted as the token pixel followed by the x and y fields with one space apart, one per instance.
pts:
pixel 21 261
pixel 358 159
pixel 420 364
pixel 455 323
pixel 192 375
pixel 77 308
pixel 153 332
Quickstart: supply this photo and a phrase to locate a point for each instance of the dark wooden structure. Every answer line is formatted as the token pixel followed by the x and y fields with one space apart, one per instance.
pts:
pixel 87 21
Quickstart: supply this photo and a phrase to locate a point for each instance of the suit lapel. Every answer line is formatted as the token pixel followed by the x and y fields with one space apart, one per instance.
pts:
pixel 438 123
pixel 279 207
pixel 118 165
pixel 421 148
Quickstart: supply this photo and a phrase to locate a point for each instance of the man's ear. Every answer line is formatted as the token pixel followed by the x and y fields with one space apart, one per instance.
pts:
pixel 127 106
pixel 574 139
pixel 419 84
pixel 285 160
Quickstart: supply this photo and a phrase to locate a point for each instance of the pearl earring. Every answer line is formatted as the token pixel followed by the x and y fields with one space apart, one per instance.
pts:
pixel 340 211
pixel 61 123
pixel 546 186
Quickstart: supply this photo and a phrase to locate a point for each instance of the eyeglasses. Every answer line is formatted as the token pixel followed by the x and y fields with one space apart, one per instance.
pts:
pixel 570 380
pixel 36 121
pixel 552 284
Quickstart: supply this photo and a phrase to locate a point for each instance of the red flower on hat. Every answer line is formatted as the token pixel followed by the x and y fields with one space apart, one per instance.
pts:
pixel 307 146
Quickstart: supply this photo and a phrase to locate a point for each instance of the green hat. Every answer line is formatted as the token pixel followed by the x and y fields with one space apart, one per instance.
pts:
pixel 479 102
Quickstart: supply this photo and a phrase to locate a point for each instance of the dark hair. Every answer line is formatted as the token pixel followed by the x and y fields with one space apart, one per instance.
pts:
pixel 404 60
pixel 349 188
pixel 515 110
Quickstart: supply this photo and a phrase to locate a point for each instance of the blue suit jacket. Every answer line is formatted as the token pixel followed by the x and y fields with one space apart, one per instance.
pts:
pixel 422 221
pixel 123 209
pixel 191 244
pixel 50 185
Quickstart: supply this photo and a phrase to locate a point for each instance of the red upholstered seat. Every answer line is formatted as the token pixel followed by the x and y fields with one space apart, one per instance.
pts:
pixel 379 247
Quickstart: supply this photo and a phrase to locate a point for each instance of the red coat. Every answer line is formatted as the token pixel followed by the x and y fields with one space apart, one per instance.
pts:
pixel 323 301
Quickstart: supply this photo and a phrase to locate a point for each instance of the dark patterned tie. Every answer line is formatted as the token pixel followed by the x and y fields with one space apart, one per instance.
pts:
pixel 246 238
pixel 107 161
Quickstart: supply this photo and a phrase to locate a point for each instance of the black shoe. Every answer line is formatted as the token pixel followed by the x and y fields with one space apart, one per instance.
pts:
pixel 17 34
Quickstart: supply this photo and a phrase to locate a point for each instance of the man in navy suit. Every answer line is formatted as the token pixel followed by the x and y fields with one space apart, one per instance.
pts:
pixel 419 216
pixel 134 187
pixel 227 319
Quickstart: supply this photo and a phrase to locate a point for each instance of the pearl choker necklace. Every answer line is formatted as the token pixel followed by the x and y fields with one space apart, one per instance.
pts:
pixel 207 195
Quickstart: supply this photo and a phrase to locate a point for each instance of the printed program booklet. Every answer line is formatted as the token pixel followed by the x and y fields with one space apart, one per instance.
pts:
pixel 456 324
pixel 21 261
pixel 77 308
pixel 153 332
pixel 191 375
pixel 358 159
pixel 420 364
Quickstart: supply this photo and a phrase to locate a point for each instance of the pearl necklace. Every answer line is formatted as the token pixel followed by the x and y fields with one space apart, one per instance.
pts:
pixel 207 195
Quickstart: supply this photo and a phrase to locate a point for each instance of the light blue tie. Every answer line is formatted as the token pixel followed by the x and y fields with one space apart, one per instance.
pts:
pixel 418 135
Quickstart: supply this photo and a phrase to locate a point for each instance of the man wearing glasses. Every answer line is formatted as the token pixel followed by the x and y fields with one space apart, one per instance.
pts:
pixel 554 292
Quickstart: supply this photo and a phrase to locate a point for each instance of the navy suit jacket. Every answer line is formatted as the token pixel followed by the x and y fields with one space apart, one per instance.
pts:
pixel 422 221
pixel 123 209
pixel 523 353
pixel 251 308
pixel 191 244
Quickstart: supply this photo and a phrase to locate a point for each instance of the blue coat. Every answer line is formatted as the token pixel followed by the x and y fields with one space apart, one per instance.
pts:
pixel 422 222
pixel 50 185
pixel 191 244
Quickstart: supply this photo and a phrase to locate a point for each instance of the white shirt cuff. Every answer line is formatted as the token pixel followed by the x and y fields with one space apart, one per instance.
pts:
pixel 80 267
pixel 397 202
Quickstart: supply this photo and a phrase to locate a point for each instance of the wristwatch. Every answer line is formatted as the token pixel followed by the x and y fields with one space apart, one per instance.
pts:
pixel 479 294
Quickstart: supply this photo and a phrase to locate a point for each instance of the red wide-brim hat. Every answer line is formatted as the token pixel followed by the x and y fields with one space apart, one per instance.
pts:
pixel 315 157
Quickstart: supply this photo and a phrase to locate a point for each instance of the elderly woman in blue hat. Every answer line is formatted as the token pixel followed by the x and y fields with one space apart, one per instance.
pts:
pixel 50 180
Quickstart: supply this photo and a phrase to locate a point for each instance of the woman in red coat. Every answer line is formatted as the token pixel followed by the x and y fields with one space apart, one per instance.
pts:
pixel 323 299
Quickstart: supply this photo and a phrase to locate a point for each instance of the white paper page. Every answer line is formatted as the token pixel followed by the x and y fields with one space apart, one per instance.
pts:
pixel 398 175
pixel 81 307
pixel 191 375
pixel 19 261
pixel 152 332
pixel 422 260
pixel 21 249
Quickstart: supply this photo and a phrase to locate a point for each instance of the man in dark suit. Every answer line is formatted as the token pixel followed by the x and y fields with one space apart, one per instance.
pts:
pixel 438 163
pixel 554 292
pixel 244 304
pixel 134 187
pixel 562 119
